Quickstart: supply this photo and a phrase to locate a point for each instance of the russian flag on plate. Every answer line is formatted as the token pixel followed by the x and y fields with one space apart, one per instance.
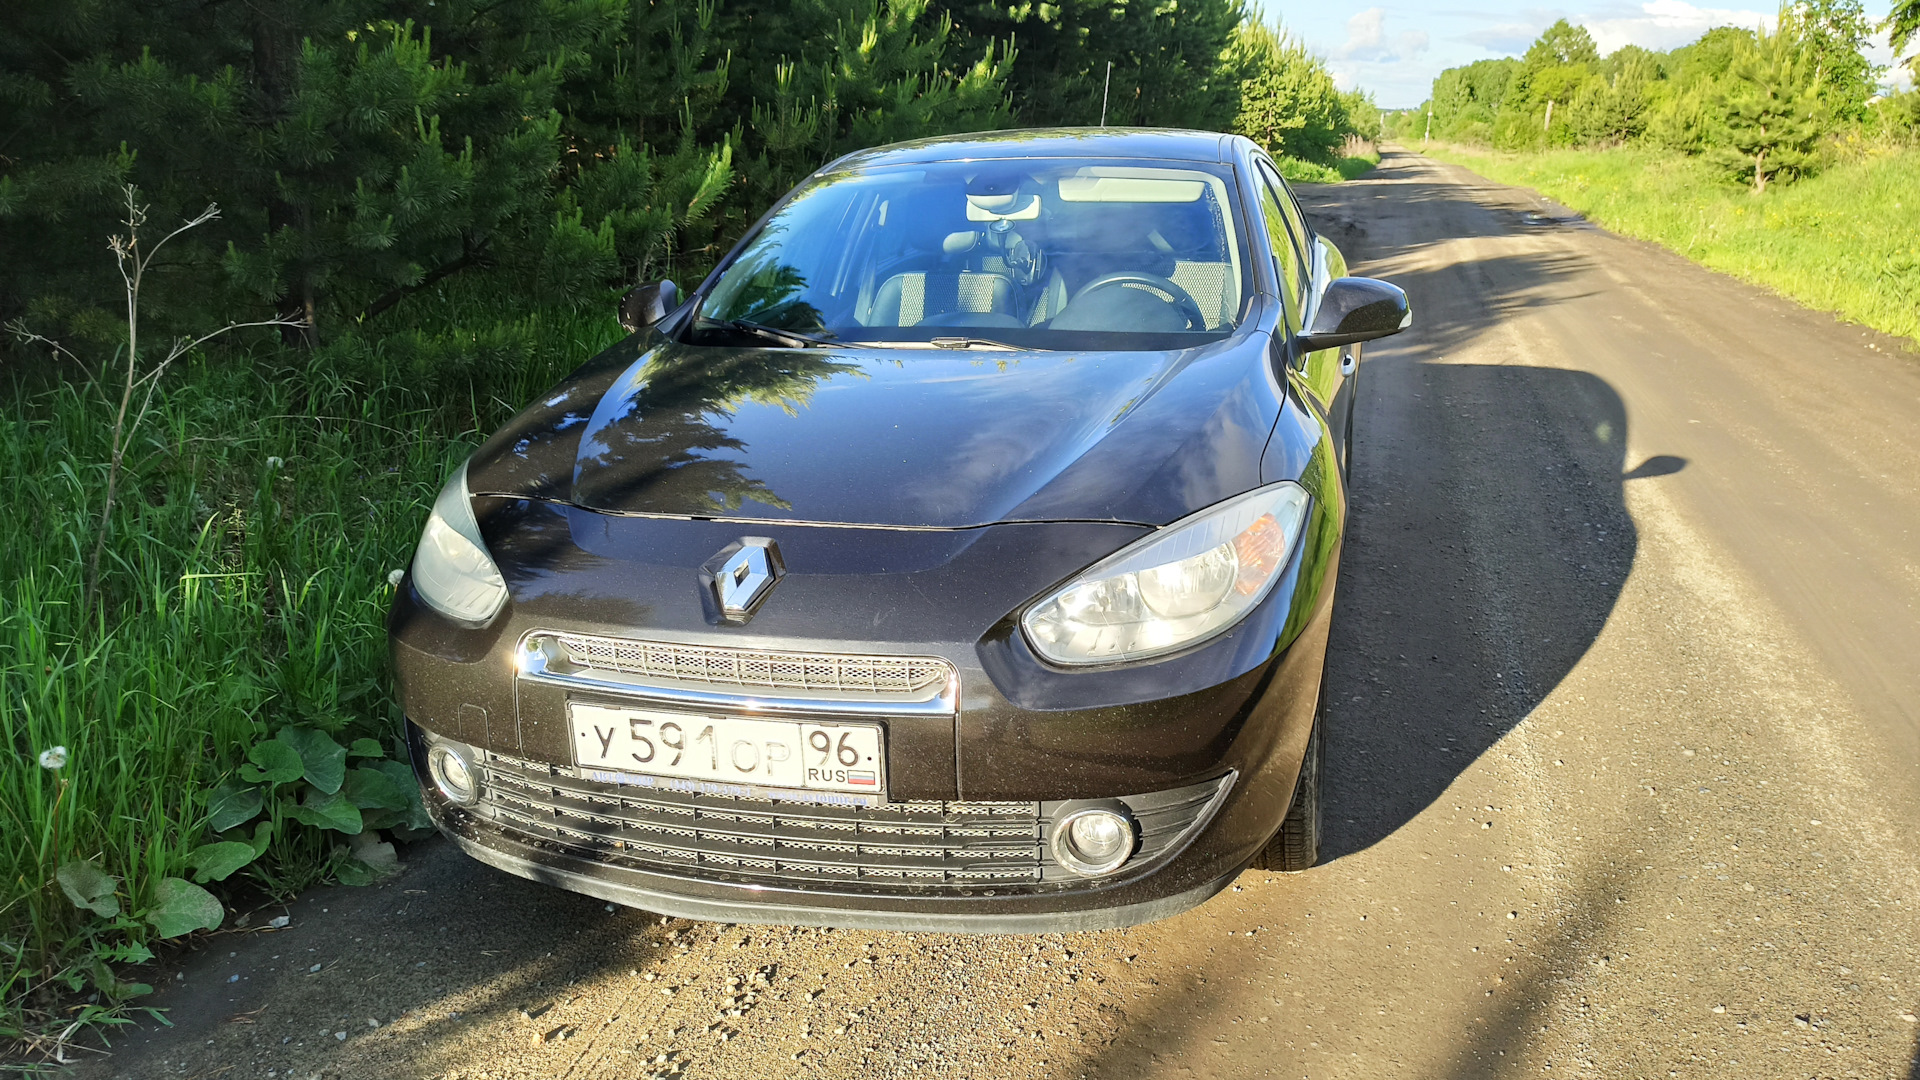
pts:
pixel 861 777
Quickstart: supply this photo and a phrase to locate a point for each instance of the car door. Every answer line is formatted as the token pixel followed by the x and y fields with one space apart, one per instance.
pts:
pixel 1322 375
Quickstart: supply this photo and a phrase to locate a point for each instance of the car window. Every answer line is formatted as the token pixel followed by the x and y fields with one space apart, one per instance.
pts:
pixel 1288 231
pixel 1041 253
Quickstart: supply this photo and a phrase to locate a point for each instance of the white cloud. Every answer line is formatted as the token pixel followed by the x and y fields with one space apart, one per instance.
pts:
pixel 1368 42
pixel 1880 53
pixel 1668 24
pixel 1506 39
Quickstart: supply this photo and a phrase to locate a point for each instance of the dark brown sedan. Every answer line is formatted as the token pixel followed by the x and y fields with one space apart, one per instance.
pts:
pixel 959 556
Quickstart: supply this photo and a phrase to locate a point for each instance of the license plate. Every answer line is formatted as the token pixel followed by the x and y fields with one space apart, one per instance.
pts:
pixel 731 751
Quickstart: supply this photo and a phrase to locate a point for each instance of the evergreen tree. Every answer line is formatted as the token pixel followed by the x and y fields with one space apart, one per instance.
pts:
pixel 1166 58
pixel 361 155
pixel 824 77
pixel 1288 101
pixel 370 154
pixel 1773 111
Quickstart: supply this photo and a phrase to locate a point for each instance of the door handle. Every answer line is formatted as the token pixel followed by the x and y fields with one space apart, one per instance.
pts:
pixel 1348 363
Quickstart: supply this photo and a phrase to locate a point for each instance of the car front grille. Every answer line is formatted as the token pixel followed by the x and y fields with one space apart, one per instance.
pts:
pixel 899 847
pixel 752 669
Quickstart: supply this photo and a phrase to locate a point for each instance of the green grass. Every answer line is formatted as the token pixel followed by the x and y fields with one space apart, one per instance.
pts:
pixel 244 586
pixel 1846 240
pixel 1307 172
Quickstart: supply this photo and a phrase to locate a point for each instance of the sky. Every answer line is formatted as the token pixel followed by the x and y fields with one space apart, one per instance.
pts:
pixel 1395 48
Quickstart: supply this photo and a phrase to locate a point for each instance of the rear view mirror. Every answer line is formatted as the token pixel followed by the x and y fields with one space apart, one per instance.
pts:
pixel 1357 309
pixel 647 304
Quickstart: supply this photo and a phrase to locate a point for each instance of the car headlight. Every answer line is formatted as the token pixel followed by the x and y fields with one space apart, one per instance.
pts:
pixel 1183 584
pixel 451 568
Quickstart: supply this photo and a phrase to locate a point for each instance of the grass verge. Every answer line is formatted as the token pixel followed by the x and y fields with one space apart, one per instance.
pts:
pixel 244 587
pixel 1307 172
pixel 1846 240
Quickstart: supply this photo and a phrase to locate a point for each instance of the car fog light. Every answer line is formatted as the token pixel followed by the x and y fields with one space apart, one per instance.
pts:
pixel 453 773
pixel 1094 840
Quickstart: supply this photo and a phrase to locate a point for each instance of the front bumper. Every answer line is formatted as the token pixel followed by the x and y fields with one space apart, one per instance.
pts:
pixel 593 849
pixel 1241 707
pixel 685 899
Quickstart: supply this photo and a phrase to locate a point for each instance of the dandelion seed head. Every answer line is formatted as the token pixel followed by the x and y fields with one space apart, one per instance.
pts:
pixel 274 463
pixel 393 577
pixel 53 758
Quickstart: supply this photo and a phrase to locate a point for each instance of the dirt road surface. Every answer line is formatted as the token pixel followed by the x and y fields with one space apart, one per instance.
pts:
pixel 1624 757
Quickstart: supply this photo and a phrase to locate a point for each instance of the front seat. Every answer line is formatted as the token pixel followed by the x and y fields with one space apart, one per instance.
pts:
pixel 945 296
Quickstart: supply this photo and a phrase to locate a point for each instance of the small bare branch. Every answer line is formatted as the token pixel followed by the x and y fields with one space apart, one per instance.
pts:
pixel 183 345
pixel 27 337
pixel 211 213
pixel 132 263
pixel 151 380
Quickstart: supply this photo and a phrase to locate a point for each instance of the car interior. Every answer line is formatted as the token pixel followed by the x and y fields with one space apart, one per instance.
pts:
pixel 1009 245
pixel 1077 252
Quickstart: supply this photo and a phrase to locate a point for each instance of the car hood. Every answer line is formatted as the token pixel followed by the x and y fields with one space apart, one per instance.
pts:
pixel 924 438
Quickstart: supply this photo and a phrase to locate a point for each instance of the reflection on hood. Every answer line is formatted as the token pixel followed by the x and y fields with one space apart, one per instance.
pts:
pixel 892 437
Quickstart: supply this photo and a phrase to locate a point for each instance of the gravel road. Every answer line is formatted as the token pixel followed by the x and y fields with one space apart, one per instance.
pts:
pixel 1624 759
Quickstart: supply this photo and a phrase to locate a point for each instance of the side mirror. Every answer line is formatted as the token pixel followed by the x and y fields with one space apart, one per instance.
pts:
pixel 647 304
pixel 1357 309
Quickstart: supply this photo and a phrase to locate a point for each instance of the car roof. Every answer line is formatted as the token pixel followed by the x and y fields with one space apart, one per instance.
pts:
pixel 1163 144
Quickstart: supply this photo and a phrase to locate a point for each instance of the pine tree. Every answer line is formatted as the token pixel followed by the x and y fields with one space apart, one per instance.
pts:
pixel 1773 111
pixel 1288 101
pixel 372 154
pixel 363 154
pixel 1166 58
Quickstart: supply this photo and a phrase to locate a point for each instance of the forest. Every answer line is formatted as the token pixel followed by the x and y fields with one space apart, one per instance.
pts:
pixel 270 270
pixel 1760 104
pixel 1778 154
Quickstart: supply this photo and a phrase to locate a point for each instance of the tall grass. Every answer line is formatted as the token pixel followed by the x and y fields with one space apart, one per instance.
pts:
pixel 1845 240
pixel 244 586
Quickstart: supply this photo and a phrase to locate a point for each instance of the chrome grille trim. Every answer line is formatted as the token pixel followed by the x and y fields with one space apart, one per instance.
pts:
pixel 719 676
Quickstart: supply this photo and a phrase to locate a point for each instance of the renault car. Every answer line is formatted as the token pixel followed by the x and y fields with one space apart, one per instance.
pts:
pixel 958 556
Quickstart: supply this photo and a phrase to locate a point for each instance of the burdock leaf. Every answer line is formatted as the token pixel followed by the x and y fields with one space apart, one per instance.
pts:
pixel 232 803
pixel 324 810
pixel 89 887
pixel 325 761
pixel 182 907
pixel 262 836
pixel 272 762
pixel 366 748
pixel 401 774
pixel 213 862
pixel 371 789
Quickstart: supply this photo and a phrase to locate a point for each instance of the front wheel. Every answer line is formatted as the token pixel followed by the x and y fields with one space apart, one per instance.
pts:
pixel 1297 845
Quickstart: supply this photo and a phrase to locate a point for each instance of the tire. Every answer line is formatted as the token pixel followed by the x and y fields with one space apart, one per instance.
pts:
pixel 1297 845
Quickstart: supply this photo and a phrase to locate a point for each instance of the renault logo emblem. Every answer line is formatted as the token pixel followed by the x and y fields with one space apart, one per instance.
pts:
pixel 742 574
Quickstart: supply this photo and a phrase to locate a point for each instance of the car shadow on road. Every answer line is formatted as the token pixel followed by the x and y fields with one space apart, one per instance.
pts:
pixel 1488 542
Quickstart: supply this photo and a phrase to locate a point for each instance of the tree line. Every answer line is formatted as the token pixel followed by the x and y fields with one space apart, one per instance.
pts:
pixel 372 158
pixel 1757 102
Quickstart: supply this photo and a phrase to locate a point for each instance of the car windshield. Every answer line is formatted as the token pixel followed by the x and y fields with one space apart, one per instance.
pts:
pixel 1023 253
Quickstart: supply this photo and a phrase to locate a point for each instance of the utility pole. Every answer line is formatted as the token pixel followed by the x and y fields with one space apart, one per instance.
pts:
pixel 1104 91
pixel 1429 134
pixel 1548 126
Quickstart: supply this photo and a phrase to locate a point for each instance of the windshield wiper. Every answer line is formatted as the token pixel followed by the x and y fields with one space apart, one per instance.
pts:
pixel 790 338
pixel 972 343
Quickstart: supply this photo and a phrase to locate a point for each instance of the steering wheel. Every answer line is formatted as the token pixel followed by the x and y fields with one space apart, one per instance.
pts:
pixel 1182 299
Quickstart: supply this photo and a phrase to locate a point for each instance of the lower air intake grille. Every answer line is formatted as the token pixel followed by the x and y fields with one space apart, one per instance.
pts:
pixel 904 845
